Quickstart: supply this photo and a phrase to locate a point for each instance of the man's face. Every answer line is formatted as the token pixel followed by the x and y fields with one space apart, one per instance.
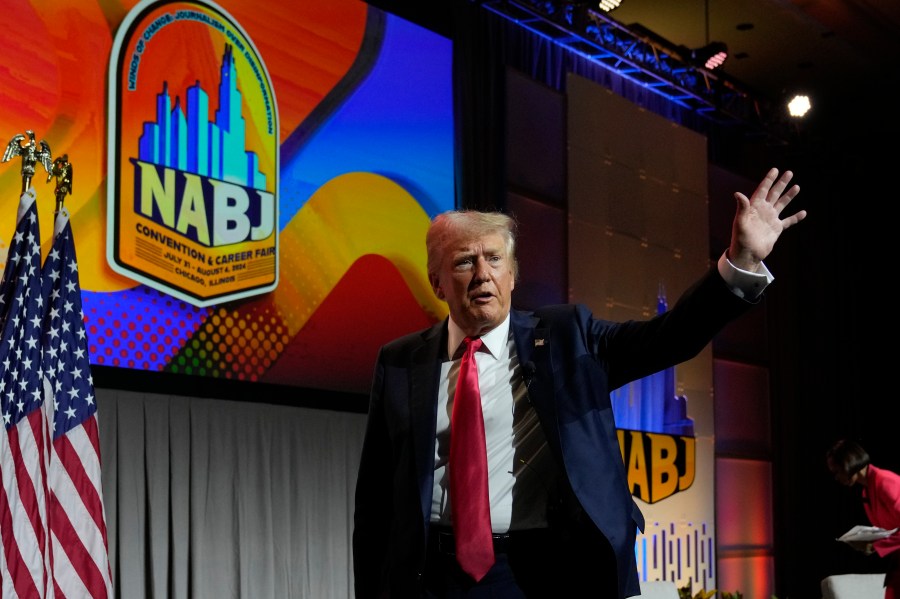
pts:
pixel 476 280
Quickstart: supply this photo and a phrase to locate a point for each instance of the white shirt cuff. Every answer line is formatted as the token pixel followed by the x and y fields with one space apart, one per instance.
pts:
pixel 743 283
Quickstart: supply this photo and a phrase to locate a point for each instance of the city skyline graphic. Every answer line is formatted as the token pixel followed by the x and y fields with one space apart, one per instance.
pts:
pixel 651 404
pixel 184 138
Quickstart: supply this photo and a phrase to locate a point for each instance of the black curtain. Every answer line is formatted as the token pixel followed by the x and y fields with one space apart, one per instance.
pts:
pixel 480 110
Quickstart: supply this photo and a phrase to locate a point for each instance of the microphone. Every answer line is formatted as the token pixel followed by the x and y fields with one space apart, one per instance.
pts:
pixel 528 372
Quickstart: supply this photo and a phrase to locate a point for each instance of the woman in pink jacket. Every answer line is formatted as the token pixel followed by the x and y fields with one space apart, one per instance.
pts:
pixel 850 465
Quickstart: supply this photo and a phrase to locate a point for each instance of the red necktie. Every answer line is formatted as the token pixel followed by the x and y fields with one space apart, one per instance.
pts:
pixel 468 471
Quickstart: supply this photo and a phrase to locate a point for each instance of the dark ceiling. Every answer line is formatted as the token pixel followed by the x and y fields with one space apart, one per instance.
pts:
pixel 844 54
pixel 841 52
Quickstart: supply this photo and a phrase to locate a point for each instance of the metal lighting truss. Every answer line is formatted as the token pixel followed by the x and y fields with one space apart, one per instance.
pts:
pixel 638 55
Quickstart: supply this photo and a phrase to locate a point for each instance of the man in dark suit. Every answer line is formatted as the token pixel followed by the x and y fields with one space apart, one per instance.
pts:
pixel 561 516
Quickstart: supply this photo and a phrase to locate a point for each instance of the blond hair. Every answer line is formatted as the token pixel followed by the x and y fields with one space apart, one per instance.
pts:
pixel 455 225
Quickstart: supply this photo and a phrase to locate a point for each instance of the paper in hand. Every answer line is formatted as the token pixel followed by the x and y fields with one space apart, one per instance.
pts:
pixel 865 534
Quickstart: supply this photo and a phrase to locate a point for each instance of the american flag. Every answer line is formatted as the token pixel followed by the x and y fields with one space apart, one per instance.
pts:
pixel 75 507
pixel 52 519
pixel 24 449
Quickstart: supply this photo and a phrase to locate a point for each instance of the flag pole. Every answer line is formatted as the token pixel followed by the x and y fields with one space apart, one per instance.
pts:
pixel 62 170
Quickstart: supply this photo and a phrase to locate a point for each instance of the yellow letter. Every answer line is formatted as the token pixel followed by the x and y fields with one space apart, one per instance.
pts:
pixel 665 473
pixel 154 189
pixel 637 467
pixel 193 209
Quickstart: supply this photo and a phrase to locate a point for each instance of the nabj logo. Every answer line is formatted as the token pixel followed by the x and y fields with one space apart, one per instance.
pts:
pixel 193 156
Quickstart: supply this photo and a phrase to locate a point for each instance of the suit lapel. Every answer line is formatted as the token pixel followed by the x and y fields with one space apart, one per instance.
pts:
pixel 534 350
pixel 532 347
pixel 424 377
pixel 523 326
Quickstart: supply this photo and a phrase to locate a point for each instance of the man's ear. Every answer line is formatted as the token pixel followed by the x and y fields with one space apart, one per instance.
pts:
pixel 436 287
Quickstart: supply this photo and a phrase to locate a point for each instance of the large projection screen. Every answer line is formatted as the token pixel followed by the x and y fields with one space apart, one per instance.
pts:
pixel 363 155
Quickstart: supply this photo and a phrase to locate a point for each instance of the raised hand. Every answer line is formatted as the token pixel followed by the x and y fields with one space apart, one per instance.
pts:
pixel 757 220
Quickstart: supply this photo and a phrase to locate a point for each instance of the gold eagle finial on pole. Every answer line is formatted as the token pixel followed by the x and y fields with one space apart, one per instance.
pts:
pixel 62 170
pixel 30 154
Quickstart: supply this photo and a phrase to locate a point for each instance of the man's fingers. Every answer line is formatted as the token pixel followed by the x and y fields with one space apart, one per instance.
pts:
pixel 765 186
pixel 793 219
pixel 779 186
pixel 784 199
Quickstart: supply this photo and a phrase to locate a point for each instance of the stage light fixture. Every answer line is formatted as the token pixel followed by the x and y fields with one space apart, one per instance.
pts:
pixel 799 105
pixel 608 5
pixel 711 56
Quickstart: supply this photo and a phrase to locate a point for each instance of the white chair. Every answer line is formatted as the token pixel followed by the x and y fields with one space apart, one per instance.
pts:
pixel 853 586
pixel 658 589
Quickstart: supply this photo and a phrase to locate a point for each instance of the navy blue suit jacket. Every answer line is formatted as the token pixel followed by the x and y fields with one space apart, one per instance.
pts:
pixel 574 361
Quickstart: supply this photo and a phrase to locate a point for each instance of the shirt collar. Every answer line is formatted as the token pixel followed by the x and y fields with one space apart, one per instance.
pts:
pixel 494 340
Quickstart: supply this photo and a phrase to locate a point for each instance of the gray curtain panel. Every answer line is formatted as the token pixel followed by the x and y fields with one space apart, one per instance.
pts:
pixel 216 498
